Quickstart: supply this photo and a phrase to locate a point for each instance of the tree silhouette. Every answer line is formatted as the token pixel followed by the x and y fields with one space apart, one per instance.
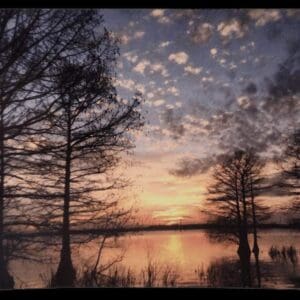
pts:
pixel 32 43
pixel 290 166
pixel 256 184
pixel 237 180
pixel 39 49
pixel 83 143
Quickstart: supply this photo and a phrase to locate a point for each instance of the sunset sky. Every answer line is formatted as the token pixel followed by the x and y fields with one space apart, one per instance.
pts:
pixel 212 81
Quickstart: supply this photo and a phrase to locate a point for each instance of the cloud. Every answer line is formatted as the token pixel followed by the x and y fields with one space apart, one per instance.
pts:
pixel 286 80
pixel 213 51
pixel 249 125
pixel 138 34
pixel 222 61
pixel 126 38
pixel 164 44
pixel 159 67
pixel 151 67
pixel 159 102
pixel 207 79
pixel 126 83
pixel 264 16
pixel 195 126
pixel 159 15
pixel 156 13
pixel 257 122
pixel 283 100
pixel 164 20
pixel 179 57
pixel 172 121
pixel 232 28
pixel 201 33
pixel 243 48
pixel 120 65
pixel 172 214
pixel 192 70
pixel 161 91
pixel 188 167
pixel 243 101
pixel 150 95
pixel 183 13
pixel 173 90
pixel 293 12
pixel 140 87
pixel 131 57
pixel 131 24
pixel 170 106
pixel 130 85
pixel 141 66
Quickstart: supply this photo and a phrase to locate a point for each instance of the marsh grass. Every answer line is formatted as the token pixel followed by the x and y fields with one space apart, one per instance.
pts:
pixel 152 275
pixel 221 273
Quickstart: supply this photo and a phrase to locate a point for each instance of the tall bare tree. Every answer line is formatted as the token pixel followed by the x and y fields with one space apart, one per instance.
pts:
pixel 237 178
pixel 83 144
pixel 228 195
pixel 256 183
pixel 34 43
pixel 290 166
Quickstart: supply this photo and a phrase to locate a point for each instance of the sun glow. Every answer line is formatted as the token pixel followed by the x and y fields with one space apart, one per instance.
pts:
pixel 172 215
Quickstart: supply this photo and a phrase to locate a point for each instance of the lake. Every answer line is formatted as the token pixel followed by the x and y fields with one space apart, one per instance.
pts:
pixel 188 253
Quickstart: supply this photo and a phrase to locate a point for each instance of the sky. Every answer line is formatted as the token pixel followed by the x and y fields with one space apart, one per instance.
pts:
pixel 212 80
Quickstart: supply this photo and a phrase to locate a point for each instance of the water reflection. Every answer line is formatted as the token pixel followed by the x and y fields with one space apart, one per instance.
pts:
pixel 174 248
pixel 174 258
pixel 285 254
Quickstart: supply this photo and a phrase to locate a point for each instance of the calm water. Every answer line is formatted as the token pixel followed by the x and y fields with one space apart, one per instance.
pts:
pixel 184 251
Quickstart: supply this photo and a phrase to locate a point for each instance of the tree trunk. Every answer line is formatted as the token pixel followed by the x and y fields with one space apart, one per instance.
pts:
pixel 6 280
pixel 244 255
pixel 244 248
pixel 238 210
pixel 66 275
pixel 255 249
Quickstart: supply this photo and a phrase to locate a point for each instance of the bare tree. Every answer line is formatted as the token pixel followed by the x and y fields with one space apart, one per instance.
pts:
pixel 256 183
pixel 237 180
pixel 83 144
pixel 35 43
pixel 228 193
pixel 290 166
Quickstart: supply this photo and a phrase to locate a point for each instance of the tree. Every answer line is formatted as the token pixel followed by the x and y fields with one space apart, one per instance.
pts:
pixel 290 166
pixel 34 43
pixel 255 185
pixel 237 180
pixel 83 143
pixel 228 193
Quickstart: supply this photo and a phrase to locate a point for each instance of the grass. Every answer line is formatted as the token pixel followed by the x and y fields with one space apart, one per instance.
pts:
pixel 152 275
pixel 221 273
